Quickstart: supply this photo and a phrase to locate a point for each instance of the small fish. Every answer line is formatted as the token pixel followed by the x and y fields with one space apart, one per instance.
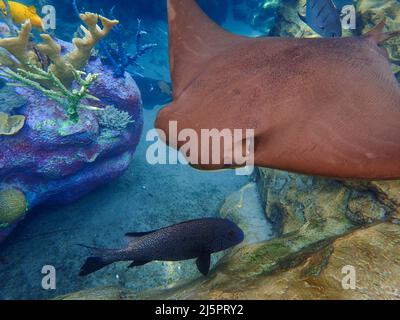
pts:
pixel 20 13
pixel 188 240
pixel 323 17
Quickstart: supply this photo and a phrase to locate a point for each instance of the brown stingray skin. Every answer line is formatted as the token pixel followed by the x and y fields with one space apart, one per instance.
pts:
pixel 325 107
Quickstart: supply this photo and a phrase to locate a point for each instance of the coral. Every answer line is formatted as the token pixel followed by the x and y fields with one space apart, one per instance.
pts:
pixel 69 100
pixel 113 119
pixel 116 55
pixel 54 160
pixel 114 49
pixel 10 125
pixel 79 57
pixel 62 66
pixel 18 48
pixel 13 206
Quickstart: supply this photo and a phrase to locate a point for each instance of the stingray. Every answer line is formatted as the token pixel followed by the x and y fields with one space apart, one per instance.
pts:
pixel 322 107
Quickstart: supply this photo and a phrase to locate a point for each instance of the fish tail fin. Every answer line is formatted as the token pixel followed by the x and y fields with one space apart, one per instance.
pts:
pixel 99 259
pixel 378 35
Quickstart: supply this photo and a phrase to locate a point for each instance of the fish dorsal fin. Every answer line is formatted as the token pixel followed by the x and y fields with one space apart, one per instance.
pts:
pixel 194 39
pixel 134 236
pixel 378 35
pixel 32 9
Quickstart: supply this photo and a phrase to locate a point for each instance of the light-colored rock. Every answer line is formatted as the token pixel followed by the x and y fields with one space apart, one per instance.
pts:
pixel 245 209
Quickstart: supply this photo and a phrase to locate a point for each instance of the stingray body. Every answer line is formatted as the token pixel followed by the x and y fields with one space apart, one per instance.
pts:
pixel 324 107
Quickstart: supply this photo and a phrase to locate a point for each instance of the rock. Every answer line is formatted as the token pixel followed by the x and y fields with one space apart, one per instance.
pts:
pixel 387 192
pixel 10 125
pixel 245 209
pixel 319 275
pixel 12 206
pixel 54 161
pixel 372 12
pixel 121 92
pixel 288 23
pixel 104 293
pixel 294 202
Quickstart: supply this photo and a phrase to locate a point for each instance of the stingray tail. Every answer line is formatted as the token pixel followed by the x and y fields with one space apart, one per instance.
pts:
pixel 99 259
pixel 378 35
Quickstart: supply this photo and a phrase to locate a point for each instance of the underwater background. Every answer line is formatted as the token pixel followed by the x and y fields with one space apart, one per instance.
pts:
pixel 297 227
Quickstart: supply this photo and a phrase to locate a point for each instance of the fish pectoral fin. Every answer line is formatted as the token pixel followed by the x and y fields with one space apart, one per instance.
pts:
pixel 203 263
pixel 137 263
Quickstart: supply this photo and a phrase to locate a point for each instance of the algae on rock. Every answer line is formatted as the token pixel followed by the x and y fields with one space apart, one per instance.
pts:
pixel 294 201
pixel 13 206
pixel 10 125
pixel 371 12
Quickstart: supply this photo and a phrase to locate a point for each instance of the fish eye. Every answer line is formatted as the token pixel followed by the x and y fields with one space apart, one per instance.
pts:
pixel 231 234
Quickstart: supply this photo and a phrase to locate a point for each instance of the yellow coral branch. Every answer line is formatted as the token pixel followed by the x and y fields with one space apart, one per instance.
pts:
pixel 79 57
pixel 18 46
pixel 60 68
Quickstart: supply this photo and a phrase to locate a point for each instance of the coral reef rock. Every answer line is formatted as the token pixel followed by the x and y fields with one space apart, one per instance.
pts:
pixel 51 159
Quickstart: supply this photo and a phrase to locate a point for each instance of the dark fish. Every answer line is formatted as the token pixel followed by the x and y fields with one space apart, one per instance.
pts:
pixel 188 240
pixel 323 17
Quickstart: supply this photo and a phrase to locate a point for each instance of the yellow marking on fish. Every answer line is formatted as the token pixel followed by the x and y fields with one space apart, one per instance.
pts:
pixel 20 13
